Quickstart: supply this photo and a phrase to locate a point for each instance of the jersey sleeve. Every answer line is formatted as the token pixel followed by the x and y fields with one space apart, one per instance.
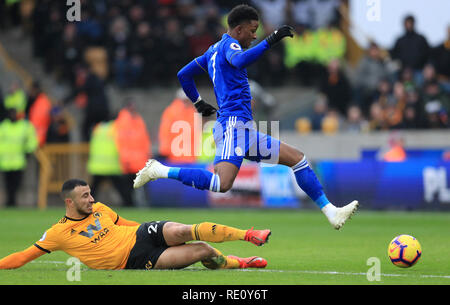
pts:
pixel 187 73
pixel 49 241
pixel 241 59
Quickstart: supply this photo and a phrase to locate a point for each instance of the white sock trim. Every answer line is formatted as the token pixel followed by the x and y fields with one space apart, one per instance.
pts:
pixel 300 165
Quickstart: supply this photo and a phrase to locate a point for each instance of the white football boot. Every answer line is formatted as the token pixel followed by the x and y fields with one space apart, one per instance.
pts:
pixel 151 171
pixel 338 216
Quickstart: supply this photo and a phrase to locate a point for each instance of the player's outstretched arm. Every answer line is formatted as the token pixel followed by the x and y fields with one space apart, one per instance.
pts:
pixel 18 259
pixel 243 59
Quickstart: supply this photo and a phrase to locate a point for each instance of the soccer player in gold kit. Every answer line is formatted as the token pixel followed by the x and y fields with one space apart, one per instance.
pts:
pixel 95 234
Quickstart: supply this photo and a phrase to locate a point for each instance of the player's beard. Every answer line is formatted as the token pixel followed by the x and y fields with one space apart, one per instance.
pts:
pixel 85 211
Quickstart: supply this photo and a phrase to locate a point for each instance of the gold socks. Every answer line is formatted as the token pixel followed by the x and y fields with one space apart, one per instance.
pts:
pixel 213 232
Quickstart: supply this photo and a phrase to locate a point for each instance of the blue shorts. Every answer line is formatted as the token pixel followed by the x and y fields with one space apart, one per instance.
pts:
pixel 237 139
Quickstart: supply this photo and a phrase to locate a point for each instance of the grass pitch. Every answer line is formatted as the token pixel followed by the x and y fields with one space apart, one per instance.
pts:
pixel 303 248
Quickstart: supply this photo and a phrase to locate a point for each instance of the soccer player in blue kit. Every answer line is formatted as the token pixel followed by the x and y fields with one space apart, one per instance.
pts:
pixel 234 134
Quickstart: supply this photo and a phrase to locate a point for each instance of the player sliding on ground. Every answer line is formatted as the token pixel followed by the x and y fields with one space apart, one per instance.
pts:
pixel 100 239
pixel 234 135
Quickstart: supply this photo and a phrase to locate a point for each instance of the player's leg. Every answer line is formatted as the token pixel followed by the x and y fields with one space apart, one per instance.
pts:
pixel 177 234
pixel 195 177
pixel 227 164
pixel 181 256
pixel 308 182
pixel 227 173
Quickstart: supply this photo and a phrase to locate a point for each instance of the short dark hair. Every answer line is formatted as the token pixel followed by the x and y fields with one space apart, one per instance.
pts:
pixel 241 13
pixel 410 18
pixel 69 186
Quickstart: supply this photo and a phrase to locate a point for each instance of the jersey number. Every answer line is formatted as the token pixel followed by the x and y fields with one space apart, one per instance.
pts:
pixel 213 59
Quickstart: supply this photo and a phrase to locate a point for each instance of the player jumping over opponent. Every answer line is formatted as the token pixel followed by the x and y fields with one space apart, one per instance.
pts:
pixel 235 138
pixel 100 239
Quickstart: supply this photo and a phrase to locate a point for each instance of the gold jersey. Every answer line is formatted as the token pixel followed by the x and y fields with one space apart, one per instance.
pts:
pixel 95 240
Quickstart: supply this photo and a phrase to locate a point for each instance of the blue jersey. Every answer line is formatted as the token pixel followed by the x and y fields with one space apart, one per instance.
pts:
pixel 226 63
pixel 230 83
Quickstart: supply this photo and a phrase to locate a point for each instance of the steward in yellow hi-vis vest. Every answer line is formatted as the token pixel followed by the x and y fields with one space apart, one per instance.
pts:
pixel 103 151
pixel 17 139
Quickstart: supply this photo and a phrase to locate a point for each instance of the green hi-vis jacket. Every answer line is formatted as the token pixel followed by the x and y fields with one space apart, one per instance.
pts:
pixel 17 139
pixel 103 152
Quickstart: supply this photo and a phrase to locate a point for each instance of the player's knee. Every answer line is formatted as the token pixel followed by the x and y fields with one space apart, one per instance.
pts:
pixel 225 185
pixel 178 232
pixel 205 251
pixel 299 155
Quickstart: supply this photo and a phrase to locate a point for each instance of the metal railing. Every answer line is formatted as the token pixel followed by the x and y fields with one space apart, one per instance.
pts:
pixel 58 163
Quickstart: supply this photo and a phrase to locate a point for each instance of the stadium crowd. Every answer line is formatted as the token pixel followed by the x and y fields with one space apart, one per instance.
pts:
pixel 132 43
pixel 142 44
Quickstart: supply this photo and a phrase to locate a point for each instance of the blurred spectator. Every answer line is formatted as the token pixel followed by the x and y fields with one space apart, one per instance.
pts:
pixel 133 142
pixel 39 112
pixel 263 103
pixel 177 138
pixel 410 118
pixel 396 151
pixel 272 12
pixel 355 121
pixel 199 38
pixel 13 12
pixel 52 34
pixel 68 53
pixel 411 49
pixel 436 116
pixel 309 53
pixel 332 122
pixel 16 99
pixel 17 139
pixel 336 87
pixel 446 155
pixel 90 92
pixel 303 125
pixel 432 92
pixel 370 71
pixel 124 70
pixel 60 126
pixel 440 57
pixel 413 114
pixel 175 56
pixel 376 117
pixel 270 69
pixel 320 110
pixel 103 162
pixel 314 13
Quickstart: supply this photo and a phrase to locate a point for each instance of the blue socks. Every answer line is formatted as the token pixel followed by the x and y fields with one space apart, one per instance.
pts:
pixel 308 182
pixel 204 180
pixel 196 177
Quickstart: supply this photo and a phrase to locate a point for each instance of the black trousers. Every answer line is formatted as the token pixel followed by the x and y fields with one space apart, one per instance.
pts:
pixel 121 184
pixel 12 182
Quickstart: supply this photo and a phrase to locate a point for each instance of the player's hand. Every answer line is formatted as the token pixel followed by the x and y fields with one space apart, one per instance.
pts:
pixel 204 108
pixel 279 34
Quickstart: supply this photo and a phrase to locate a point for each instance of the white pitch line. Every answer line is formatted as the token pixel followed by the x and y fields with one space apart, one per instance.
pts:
pixel 345 273
pixel 300 271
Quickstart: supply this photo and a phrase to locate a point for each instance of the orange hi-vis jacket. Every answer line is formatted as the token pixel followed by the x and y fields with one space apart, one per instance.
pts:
pixel 133 141
pixel 101 240
pixel 40 117
pixel 179 112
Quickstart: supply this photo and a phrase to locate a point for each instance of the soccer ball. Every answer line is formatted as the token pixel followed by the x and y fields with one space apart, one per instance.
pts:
pixel 404 251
